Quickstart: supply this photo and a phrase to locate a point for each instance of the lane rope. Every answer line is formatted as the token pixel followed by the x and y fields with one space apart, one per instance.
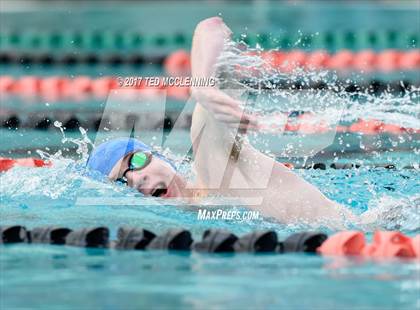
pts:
pixel 8 163
pixel 79 88
pixel 286 61
pixel 116 40
pixel 302 125
pixel 385 244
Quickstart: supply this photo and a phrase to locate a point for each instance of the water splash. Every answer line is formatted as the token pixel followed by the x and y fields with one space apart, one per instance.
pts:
pixel 60 182
pixel 38 196
pixel 32 187
pixel 286 87
pixel 392 213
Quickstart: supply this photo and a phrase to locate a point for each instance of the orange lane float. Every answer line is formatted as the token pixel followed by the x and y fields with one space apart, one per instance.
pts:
pixel 385 244
pixel 309 125
pixel 345 60
pixel 343 243
pixel 82 87
pixel 102 86
pixel 374 127
pixel 368 127
pixel 415 243
pixel 389 244
pixel 53 88
pixel 342 60
pixel 389 60
pixel 8 163
pixel 6 84
pixel 318 60
pixel 364 61
pixel 292 60
pixel 306 124
pixel 410 59
pixel 79 88
pixel 178 62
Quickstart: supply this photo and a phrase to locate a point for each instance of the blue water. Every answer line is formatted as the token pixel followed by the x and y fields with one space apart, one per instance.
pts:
pixel 42 196
pixel 60 277
pixel 52 277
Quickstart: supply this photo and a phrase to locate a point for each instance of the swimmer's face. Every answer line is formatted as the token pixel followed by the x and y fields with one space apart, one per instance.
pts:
pixel 158 178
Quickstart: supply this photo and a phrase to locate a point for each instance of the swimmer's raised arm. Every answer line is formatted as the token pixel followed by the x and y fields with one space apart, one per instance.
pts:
pixel 209 38
pixel 208 42
pixel 285 195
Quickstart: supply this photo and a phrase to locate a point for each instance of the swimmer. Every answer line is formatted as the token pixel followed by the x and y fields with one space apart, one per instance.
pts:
pixel 284 195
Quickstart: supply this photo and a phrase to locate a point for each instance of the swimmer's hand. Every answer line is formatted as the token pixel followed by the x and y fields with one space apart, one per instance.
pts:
pixel 209 38
pixel 224 108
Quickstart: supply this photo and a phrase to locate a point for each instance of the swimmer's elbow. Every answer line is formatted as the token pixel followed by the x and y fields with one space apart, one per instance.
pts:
pixel 212 25
pixel 209 23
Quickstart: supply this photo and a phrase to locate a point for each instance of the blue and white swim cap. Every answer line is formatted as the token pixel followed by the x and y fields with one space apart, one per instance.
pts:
pixel 106 155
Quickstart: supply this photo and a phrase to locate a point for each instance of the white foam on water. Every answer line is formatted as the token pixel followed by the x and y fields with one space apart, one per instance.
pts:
pixel 64 179
pixel 403 110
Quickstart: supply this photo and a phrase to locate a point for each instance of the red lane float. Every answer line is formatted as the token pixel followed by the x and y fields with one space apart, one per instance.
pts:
pixel 364 61
pixel 368 127
pixel 8 163
pixel 389 244
pixel 374 127
pixel 178 63
pixel 308 124
pixel 343 243
pixel 415 243
pixel 385 244
pixel 6 84
pixel 78 88
pixel 82 87
pixel 342 60
pixel 410 60
pixel 317 60
pixel 345 60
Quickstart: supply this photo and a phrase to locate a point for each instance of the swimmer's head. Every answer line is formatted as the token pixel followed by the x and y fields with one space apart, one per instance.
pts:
pixel 133 162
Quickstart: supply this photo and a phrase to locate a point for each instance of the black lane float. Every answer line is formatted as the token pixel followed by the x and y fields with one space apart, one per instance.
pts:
pixel 385 244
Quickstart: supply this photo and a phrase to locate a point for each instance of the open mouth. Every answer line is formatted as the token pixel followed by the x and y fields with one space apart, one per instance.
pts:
pixel 159 192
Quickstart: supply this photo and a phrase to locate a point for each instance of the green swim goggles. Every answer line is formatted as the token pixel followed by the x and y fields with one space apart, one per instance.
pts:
pixel 137 161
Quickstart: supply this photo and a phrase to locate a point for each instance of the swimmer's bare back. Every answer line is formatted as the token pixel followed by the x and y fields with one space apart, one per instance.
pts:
pixel 234 170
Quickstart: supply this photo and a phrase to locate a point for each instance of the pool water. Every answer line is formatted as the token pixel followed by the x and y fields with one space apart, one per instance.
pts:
pixel 62 277
pixel 52 277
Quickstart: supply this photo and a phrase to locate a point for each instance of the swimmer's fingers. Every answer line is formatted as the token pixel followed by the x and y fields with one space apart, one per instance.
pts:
pixel 224 108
